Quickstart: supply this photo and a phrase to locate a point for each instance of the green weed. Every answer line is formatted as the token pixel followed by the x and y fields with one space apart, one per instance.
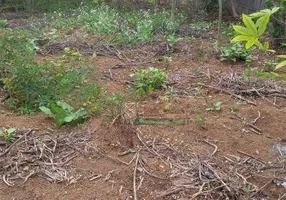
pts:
pixel 234 52
pixel 202 25
pixel 200 120
pixel 114 106
pixel 148 80
pixel 8 134
pixel 63 113
pixel 215 107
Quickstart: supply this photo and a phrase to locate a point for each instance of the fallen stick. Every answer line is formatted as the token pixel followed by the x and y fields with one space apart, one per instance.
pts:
pixel 116 159
pixel 251 125
pixel 246 154
pixel 6 181
pixel 228 92
pixel 134 177
pixel 213 145
pixel 261 188
pixel 218 177
pixel 122 65
pixel 170 192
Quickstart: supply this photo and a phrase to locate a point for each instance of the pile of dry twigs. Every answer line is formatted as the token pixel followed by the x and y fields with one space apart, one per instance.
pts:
pixel 44 155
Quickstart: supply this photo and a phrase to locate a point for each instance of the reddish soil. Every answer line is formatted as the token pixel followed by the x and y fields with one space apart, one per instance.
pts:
pixel 228 134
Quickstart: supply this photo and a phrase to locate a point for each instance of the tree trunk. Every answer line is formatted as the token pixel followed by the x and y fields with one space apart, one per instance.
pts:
pixel 234 13
pixel 219 26
pixel 173 9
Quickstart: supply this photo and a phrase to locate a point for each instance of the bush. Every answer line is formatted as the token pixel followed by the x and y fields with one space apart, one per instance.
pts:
pixel 31 84
pixel 148 80
pixel 119 26
pixel 234 52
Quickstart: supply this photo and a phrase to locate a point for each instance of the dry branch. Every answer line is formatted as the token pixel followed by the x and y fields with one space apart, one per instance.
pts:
pixel 228 92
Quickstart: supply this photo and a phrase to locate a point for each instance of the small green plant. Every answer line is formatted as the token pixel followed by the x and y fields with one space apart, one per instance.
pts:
pixel 114 105
pixel 270 65
pixel 71 55
pixel 173 40
pixel 215 107
pixel 166 60
pixel 166 103
pixel 201 53
pixel 3 23
pixel 63 113
pixel 148 80
pixel 8 134
pixel 234 52
pixel 233 108
pixel 202 25
pixel 201 121
pixel 248 72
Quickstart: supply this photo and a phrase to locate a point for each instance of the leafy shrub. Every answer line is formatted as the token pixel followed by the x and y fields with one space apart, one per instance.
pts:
pixel 118 26
pixel 148 80
pixel 254 27
pixel 31 84
pixel 63 113
pixel 234 52
pixel 114 106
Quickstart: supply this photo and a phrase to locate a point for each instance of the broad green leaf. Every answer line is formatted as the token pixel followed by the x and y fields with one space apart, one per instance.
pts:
pixel 60 119
pixel 271 50
pixel 264 12
pixel 241 30
pixel 69 118
pixel 47 111
pixel 266 45
pixel 267 74
pixel 280 65
pixel 78 115
pixel 261 24
pixel 65 106
pixel 281 56
pixel 274 10
pixel 10 131
pixel 241 38
pixel 259 45
pixel 260 13
pixel 249 24
pixel 55 109
pixel 250 43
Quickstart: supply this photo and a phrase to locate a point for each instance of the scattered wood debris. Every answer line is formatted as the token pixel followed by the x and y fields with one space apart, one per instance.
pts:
pixel 43 155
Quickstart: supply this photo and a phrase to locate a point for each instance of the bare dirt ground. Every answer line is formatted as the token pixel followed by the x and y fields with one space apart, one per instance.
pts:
pixel 235 153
